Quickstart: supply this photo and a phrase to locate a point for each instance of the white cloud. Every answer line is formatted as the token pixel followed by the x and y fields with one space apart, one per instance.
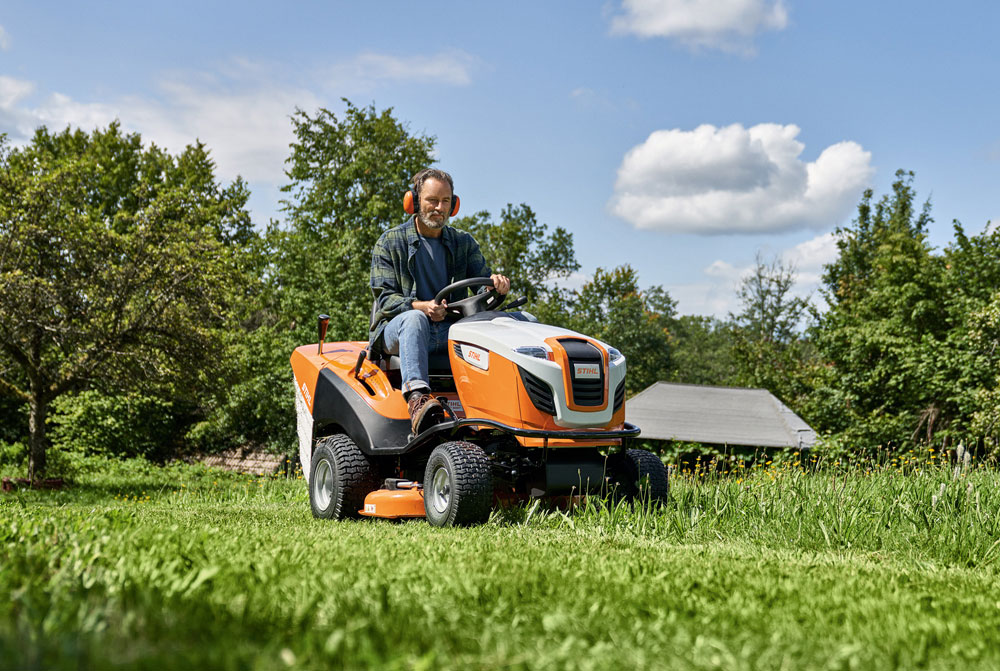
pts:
pixel 13 91
pixel 452 67
pixel 244 123
pixel 809 257
pixel 240 111
pixel 4 40
pixel 715 293
pixel 574 282
pixel 737 180
pixel 729 25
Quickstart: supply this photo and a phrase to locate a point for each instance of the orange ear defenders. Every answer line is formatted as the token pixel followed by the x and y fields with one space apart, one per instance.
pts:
pixel 411 203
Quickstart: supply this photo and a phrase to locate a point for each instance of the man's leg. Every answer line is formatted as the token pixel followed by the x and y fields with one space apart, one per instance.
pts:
pixel 409 336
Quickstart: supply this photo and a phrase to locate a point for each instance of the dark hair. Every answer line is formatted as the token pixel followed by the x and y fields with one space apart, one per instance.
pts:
pixel 431 173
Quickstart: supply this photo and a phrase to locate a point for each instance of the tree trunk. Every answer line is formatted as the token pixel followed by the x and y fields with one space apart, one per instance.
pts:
pixel 39 409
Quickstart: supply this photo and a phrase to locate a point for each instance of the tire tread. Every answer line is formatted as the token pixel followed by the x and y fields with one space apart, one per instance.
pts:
pixel 355 475
pixel 473 483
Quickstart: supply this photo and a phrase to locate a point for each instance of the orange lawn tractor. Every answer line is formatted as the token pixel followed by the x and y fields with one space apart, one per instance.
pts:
pixel 532 410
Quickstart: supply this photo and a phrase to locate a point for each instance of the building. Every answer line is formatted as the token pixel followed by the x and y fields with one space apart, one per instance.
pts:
pixel 717 416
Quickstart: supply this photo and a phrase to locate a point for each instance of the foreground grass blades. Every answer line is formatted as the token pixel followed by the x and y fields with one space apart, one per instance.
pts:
pixel 189 567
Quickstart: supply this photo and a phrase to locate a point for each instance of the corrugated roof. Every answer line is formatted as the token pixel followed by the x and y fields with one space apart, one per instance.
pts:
pixel 717 415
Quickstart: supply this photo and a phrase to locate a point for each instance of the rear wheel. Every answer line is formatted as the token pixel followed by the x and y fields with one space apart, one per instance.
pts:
pixel 340 478
pixel 639 474
pixel 458 487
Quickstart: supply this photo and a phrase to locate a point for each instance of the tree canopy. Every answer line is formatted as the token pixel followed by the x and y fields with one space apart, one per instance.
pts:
pixel 117 264
pixel 900 365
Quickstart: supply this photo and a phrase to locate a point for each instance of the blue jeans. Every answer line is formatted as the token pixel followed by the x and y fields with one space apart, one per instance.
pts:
pixel 412 335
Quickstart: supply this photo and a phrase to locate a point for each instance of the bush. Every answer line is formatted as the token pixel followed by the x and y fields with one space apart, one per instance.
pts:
pixel 129 425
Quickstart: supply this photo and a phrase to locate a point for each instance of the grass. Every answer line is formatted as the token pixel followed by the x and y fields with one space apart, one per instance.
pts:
pixel 787 565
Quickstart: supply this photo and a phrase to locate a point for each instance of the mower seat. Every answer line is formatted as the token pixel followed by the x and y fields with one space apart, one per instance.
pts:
pixel 438 363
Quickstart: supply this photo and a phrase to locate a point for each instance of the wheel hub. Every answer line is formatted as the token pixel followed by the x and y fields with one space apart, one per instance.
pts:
pixel 440 490
pixel 323 484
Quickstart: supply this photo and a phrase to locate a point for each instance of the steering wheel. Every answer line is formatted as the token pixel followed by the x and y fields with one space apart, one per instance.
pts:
pixel 466 307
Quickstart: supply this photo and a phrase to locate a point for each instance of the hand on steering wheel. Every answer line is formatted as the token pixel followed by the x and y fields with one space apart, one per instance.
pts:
pixel 490 300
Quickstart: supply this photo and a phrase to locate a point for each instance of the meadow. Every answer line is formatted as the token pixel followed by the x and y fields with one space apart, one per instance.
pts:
pixel 791 564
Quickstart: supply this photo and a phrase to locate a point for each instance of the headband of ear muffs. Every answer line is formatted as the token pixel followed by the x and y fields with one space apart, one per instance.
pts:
pixel 411 203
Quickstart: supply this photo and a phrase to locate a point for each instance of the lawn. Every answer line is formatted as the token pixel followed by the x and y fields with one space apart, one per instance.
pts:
pixel 789 565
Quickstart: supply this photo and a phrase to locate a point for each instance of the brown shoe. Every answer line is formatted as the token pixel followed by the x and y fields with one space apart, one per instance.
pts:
pixel 425 410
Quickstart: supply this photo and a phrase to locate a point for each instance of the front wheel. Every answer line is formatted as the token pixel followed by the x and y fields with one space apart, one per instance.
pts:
pixel 639 474
pixel 458 487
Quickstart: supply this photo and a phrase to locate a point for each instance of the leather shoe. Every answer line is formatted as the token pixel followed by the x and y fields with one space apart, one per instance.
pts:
pixel 425 411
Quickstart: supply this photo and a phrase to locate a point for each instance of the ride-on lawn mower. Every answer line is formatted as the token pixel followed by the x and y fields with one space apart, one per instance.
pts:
pixel 531 411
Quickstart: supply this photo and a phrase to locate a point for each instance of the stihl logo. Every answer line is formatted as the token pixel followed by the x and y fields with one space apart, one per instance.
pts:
pixel 306 394
pixel 584 371
pixel 479 358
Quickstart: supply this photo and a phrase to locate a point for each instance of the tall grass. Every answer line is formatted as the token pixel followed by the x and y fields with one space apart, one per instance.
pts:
pixel 789 564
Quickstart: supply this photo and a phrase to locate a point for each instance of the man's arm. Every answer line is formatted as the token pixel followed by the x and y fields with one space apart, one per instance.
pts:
pixel 476 267
pixel 384 282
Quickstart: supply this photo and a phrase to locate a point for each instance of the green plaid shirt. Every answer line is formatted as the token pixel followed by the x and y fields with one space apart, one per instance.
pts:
pixel 392 282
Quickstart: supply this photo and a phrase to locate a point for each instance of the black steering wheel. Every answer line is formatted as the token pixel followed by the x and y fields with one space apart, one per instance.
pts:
pixel 466 307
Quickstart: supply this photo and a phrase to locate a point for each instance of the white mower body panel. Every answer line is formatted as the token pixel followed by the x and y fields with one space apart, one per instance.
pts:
pixel 503 336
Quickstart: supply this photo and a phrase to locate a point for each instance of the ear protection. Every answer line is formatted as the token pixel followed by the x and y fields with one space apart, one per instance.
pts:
pixel 411 203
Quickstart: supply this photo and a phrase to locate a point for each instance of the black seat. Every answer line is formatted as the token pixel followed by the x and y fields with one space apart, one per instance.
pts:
pixel 438 363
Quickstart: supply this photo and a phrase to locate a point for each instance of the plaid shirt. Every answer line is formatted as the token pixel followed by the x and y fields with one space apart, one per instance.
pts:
pixel 392 282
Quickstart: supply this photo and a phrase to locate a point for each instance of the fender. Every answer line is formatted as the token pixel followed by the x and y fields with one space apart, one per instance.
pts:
pixel 336 403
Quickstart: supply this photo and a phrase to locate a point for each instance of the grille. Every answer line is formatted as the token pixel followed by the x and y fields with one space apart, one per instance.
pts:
pixel 620 396
pixel 458 351
pixel 539 392
pixel 586 393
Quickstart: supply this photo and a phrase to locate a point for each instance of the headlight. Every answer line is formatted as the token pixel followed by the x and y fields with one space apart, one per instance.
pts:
pixel 536 351
pixel 614 355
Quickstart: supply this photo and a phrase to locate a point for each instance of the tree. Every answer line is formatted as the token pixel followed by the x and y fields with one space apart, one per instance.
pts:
pixel 612 308
pixel 117 264
pixel 770 314
pixel 767 348
pixel 702 351
pixel 885 326
pixel 348 177
pixel 520 247
pixel 984 335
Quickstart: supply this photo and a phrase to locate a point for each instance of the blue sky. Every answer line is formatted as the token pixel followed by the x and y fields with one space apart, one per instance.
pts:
pixel 679 136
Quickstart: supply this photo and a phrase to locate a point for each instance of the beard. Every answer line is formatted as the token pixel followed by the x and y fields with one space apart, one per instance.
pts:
pixel 426 220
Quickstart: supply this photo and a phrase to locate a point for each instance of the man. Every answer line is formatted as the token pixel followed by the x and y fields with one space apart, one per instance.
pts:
pixel 411 263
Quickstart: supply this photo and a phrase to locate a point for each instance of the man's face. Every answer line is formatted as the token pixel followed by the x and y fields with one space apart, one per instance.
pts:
pixel 435 203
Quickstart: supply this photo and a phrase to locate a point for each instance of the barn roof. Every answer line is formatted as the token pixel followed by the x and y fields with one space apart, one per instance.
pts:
pixel 717 415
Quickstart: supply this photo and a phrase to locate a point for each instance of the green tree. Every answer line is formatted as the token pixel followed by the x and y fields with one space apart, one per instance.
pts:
pixel 611 307
pixel 520 247
pixel 969 358
pixel 984 335
pixel 885 327
pixel 117 267
pixel 702 351
pixel 768 350
pixel 347 176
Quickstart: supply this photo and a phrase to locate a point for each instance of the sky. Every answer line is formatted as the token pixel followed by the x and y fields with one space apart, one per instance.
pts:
pixel 682 137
